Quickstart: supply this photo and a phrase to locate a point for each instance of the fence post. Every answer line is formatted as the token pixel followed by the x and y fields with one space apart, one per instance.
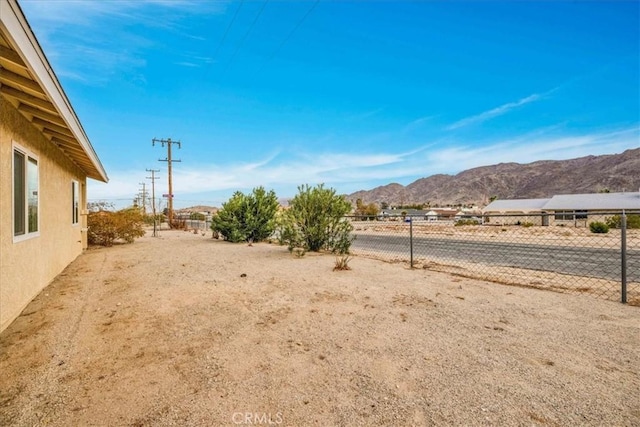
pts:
pixel 623 256
pixel 411 241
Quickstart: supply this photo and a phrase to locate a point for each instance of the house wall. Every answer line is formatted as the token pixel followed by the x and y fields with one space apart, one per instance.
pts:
pixel 516 218
pixel 511 218
pixel 592 216
pixel 28 266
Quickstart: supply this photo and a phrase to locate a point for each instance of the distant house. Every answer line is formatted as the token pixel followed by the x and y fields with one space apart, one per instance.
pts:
pixel 580 209
pixel 45 160
pixel 565 209
pixel 394 213
pixel 441 214
pixel 516 211
pixel 434 214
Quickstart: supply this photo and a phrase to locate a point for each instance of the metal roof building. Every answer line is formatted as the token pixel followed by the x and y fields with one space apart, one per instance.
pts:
pixel 597 201
pixel 516 205
pixel 577 202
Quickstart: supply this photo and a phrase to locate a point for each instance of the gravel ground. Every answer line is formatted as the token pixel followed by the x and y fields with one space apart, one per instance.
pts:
pixel 185 330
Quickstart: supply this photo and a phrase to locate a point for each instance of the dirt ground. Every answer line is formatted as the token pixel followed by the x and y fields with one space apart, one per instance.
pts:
pixel 185 330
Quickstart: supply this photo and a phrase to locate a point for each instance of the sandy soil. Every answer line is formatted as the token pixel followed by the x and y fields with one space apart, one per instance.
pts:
pixel 185 330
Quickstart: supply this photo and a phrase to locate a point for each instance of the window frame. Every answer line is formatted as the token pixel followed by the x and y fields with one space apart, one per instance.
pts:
pixel 75 202
pixel 571 215
pixel 28 156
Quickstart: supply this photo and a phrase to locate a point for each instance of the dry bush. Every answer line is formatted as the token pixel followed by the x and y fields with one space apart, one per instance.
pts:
pixel 178 224
pixel 342 263
pixel 105 227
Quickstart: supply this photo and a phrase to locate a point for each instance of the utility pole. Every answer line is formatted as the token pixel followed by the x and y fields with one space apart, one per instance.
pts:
pixel 153 197
pixel 143 196
pixel 169 160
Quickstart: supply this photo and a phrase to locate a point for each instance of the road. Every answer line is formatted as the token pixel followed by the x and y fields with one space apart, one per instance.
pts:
pixel 599 263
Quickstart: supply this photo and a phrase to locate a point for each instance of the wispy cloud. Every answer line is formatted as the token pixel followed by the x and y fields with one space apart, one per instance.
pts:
pixel 417 123
pixel 194 61
pixel 272 172
pixel 495 112
pixel 95 22
pixel 364 115
pixel 346 171
pixel 533 147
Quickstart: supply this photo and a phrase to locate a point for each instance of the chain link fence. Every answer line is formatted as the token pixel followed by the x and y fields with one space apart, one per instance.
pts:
pixel 558 252
pixel 202 226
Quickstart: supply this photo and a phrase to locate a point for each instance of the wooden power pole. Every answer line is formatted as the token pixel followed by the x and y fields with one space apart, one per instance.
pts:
pixel 153 178
pixel 169 160
pixel 143 196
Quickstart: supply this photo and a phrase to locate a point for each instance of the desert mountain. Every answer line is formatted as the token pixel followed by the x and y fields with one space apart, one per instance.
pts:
pixel 590 174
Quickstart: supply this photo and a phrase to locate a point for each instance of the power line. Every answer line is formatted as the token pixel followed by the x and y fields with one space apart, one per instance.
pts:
pixel 286 39
pixel 224 36
pixel 246 34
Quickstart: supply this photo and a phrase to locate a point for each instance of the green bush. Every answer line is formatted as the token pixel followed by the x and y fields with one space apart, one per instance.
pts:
pixel 633 221
pixel 247 217
pixel 316 221
pixel 197 216
pixel 598 227
pixel 105 227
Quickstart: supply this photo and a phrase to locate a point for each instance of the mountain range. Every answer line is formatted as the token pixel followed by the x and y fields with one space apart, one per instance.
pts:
pixel 540 179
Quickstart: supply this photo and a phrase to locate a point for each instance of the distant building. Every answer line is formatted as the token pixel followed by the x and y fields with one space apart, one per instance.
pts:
pixel 441 214
pixel 434 214
pixel 564 209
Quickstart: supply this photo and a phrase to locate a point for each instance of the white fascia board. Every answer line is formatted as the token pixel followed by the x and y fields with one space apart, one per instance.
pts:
pixel 16 27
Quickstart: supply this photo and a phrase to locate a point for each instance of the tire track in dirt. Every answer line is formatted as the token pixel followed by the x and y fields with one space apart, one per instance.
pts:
pixel 42 384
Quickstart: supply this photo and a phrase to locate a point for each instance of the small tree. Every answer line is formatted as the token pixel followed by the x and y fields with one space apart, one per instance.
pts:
pixel 316 220
pixel 366 211
pixel 260 212
pixel 247 217
pixel 228 221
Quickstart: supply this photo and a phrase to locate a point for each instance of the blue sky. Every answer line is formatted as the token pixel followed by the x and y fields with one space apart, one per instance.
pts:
pixel 351 94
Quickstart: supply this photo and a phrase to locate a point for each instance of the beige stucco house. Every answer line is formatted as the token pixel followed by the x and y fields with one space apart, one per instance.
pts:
pixel 577 210
pixel 45 160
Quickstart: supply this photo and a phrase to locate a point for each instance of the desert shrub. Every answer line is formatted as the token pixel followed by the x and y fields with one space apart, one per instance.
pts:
pixel 527 224
pixel 633 221
pixel 598 227
pixel 105 227
pixel 462 222
pixel 316 221
pixel 227 222
pixel 247 217
pixel 342 263
pixel 197 216
pixel 178 223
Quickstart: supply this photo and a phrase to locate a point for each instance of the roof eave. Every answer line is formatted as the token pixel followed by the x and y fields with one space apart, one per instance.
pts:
pixel 16 28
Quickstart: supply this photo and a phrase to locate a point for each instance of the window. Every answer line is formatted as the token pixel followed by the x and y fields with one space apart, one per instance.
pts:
pixel 74 202
pixel 570 215
pixel 564 215
pixel 25 194
pixel 581 214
